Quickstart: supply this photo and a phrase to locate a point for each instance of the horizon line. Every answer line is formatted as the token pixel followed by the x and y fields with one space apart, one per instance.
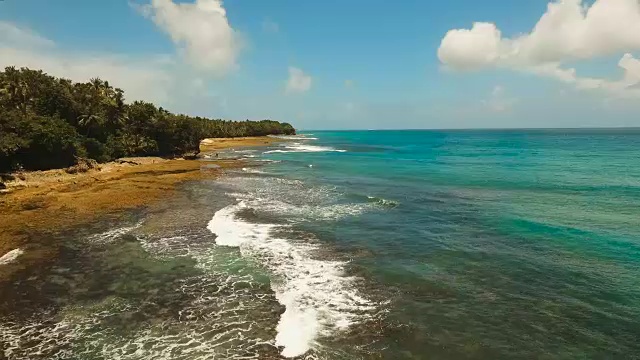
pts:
pixel 487 128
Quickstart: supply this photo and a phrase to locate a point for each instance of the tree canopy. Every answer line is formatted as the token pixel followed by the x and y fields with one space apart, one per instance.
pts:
pixel 48 122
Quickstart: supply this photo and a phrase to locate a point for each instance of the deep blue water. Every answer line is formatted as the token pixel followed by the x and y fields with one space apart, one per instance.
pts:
pixel 487 244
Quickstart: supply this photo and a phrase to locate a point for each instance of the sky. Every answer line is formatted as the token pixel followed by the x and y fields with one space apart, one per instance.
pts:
pixel 356 64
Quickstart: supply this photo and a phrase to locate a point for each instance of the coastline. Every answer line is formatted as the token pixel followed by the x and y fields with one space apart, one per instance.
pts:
pixel 53 201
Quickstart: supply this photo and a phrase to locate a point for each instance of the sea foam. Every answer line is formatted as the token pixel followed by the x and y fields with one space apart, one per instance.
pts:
pixel 216 319
pixel 293 137
pixel 319 299
pixel 298 147
pixel 113 234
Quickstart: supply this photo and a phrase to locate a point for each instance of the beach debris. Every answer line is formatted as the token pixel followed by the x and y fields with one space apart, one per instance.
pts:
pixel 11 256
pixel 123 161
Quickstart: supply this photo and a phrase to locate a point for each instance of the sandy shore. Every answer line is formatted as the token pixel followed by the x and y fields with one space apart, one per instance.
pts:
pixel 208 145
pixel 50 202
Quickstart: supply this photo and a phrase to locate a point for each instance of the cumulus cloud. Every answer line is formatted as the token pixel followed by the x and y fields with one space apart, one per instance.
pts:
pixel 298 81
pixel 464 49
pixel 201 30
pixel 569 30
pixel 143 78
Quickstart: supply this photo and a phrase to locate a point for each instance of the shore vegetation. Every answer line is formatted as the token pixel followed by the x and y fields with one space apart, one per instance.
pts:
pixel 48 122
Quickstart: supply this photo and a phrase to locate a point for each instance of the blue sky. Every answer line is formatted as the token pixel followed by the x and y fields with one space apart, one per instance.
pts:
pixel 347 64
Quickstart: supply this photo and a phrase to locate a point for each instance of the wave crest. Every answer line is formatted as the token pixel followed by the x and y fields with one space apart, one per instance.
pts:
pixel 319 298
pixel 304 148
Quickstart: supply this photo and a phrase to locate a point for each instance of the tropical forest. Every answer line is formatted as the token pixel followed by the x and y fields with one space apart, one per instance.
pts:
pixel 48 122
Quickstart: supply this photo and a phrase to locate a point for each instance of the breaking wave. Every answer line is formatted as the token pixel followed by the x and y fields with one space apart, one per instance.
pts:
pixel 221 311
pixel 320 300
pixel 298 147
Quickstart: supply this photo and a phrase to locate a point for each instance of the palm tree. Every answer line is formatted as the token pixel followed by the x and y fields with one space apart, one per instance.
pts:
pixel 90 121
pixel 15 91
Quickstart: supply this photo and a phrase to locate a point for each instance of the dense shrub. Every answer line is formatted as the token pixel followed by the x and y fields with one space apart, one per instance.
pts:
pixel 96 150
pixel 53 144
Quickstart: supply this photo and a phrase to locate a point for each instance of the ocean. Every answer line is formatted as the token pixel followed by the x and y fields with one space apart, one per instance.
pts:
pixel 483 244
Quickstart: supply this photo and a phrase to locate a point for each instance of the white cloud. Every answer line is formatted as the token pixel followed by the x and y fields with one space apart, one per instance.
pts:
pixel 14 35
pixel 201 30
pixel 144 78
pixel 471 49
pixel 568 31
pixel 298 81
pixel 155 78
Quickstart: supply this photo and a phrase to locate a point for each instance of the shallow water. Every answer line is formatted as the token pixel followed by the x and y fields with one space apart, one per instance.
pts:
pixel 360 245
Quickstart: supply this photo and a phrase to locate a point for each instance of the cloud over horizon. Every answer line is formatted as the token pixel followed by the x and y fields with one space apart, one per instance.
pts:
pixel 143 78
pixel 298 81
pixel 169 80
pixel 568 31
pixel 158 78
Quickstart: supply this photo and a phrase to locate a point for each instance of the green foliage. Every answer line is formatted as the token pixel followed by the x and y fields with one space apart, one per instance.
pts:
pixel 53 144
pixel 46 122
pixel 96 150
pixel 13 137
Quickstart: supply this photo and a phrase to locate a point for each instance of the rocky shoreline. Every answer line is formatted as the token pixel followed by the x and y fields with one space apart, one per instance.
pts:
pixel 46 203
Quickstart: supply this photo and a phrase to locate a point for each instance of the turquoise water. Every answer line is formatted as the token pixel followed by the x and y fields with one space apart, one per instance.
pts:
pixel 488 244
pixel 357 245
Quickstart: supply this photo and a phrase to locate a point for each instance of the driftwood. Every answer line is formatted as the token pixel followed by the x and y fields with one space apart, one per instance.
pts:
pixel 122 161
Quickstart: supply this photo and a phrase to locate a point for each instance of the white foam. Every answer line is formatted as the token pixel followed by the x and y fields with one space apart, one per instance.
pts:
pixel 319 299
pixel 292 200
pixel 218 319
pixel 111 235
pixel 11 256
pixel 298 147
pixel 231 232
pixel 189 337
pixel 293 137
pixel 252 171
pixel 316 212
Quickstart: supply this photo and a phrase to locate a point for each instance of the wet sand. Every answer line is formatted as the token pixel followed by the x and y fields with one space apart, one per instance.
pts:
pixel 47 203
pixel 209 145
